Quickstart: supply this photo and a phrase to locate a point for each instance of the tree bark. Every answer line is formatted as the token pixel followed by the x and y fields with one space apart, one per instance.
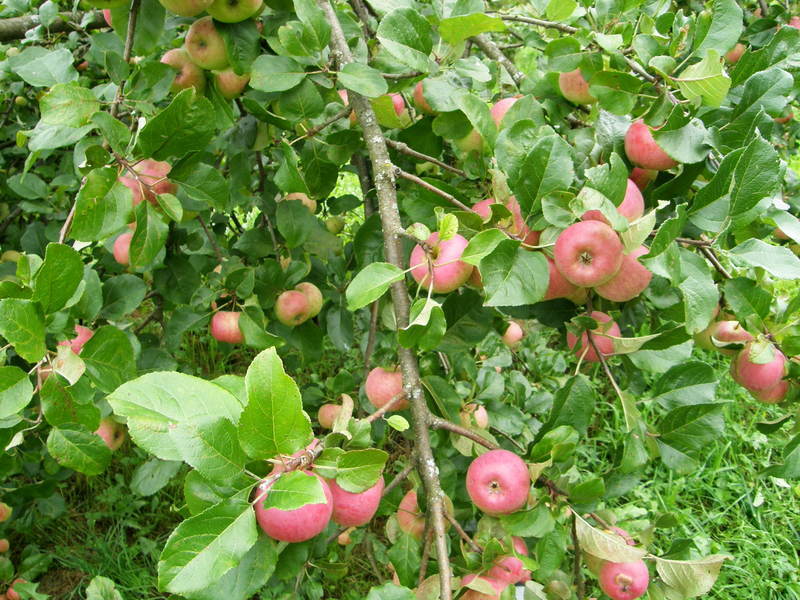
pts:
pixel 15 28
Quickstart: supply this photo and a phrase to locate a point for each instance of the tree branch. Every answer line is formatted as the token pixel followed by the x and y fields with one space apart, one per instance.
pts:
pixel 16 28
pixel 577 574
pixel 463 534
pixel 439 423
pixel 540 23
pixel 316 129
pixel 133 16
pixel 432 188
pixel 406 149
pixel 491 50
pixel 399 478
pixel 211 239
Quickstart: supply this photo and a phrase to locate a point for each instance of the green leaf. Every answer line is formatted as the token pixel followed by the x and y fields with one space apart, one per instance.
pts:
pixel 687 144
pixel 16 391
pixel 757 176
pixel 390 591
pixel 513 276
pixel 685 384
pixel 573 405
pixel 68 104
pixel 43 68
pixel 114 131
pixel 78 449
pixel 359 470
pixel 109 358
pixel 186 125
pixel 61 407
pixel 777 260
pixel 723 31
pixel 405 555
pixel 363 80
pixel 479 115
pixel 102 206
pixel 211 447
pixel 686 430
pixel 249 576
pixel 294 490
pixel 294 222
pixel 560 10
pixel 691 578
pixel 241 43
pixel 205 547
pixel 102 588
pixel 57 279
pixel 481 245
pixel 406 35
pixel 155 402
pixel 536 522
pixel 426 327
pixel 546 168
pixel 122 295
pixel 22 324
pixel 273 422
pixel 747 298
pixel 700 293
pixel 705 82
pixel 371 283
pixel 151 476
pixel 149 236
pixel 276 73
pixel 455 30
pixel 203 183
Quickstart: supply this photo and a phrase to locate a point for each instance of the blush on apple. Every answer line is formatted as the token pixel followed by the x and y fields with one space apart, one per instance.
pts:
pixel 606 327
pixel 382 385
pixel 296 525
pixel 443 271
pixel 498 482
pixel 588 253
pixel 643 151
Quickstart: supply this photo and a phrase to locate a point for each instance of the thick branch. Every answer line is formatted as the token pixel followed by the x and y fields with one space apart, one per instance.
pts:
pixel 16 27
pixel 383 176
pixel 405 149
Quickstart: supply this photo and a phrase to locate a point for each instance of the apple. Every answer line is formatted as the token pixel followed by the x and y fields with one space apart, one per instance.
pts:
pixel 471 594
pixel 382 385
pixel 296 525
pixel 729 332
pixel 773 395
pixel 229 84
pixel 111 432
pixel 508 569
pixel 150 180
pixel 225 327
pixel 501 107
pixel 4 545
pixel 355 509
pixel 292 308
pixel 643 177
pixel 474 415
pixel 10 256
pixel 624 581
pixel 631 280
pixel 498 482
pixel 205 45
pixel 445 272
pixel 794 22
pixel 575 88
pixel 122 248
pixel 13 594
pixel 343 539
pixel 399 104
pixel 83 335
pixel 327 414
pixel 758 377
pixel 606 327
pixel 558 285
pixel 513 334
pixel 107 3
pixel 419 100
pixel 313 295
pixel 588 253
pixel 334 224
pixel 472 142
pixel 623 534
pixel 234 11
pixel 631 207
pixel 734 54
pixel 107 17
pixel 5 512
pixel 643 151
pixel 186 8
pixel 518 228
pixel 409 517
pixel 309 203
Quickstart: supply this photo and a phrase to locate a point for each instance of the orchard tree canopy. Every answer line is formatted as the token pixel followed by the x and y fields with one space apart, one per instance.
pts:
pixel 436 290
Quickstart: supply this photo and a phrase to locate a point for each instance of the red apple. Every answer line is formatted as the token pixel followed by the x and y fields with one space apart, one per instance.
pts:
pixel 5 512
pixel 83 335
pixel 643 177
pixel 313 295
pixel 355 509
pixel 122 248
pixel 229 84
pixel 409 517
pixel 205 45
pixel 606 327
pixel 513 335
pixel 501 107
pixel 773 395
pixel 474 415
pixel 449 273
pixel 624 581
pixel 498 482
pixel 327 414
pixel 471 594
pixel 225 327
pixel 150 180
pixel 399 104
pixel 292 308
pixel 729 332
pixel 758 377
pixel 188 74
pixel 384 384
pixel 642 149
pixel 558 286
pixel 296 525
pixel 734 54
pixel 588 253
pixel 794 22
pixel 419 99
pixel 112 433
pixel 107 17
pixel 575 88
pixel 631 280
pixel 13 594
pixel 631 207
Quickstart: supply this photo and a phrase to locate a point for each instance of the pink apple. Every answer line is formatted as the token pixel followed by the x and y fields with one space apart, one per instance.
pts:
pixel 292 308
pixel 575 88
pixel 631 280
pixel 229 84
pixel 773 395
pixel 794 22
pixel 624 581
pixel 643 177
pixel 558 286
pixel 399 104
pixel 205 45
pixel 729 332
pixel 355 509
pixel 122 248
pixel 642 149
pixel 309 203
pixel 83 335
pixel 471 594
pixel 186 8
pixel 449 273
pixel 296 525
pixel 631 207
pixel 758 377
pixel 474 415
pixel 734 54
pixel 513 334
pixel 107 17
pixel 225 327
pixel 419 100
pixel 409 517
pixel 498 482
pixel 327 414
pixel 501 107
pixel 313 295
pixel 384 384
pixel 623 534
pixel 188 74
pixel 606 326
pixel 518 228
pixel 588 253
pixel 112 433
pixel 150 180
pixel 508 569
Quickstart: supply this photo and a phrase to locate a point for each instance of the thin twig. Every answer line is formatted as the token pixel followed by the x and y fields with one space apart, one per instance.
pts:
pixel 386 407
pixel 709 253
pixel 409 75
pixel 426 552
pixel 463 534
pixel 211 239
pixel 133 16
pixel 439 423
pixel 399 478
pixel 692 242
pixel 604 363
pixel 577 574
pixel 316 129
pixel 540 23
pixel 432 188
pixel 405 149
pixel 492 51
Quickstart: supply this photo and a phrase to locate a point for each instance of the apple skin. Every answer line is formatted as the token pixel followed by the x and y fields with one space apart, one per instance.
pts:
pixel 152 173
pixel 558 285
pixel 327 414
pixel 501 107
pixel 111 432
pixel 189 74
pixel 755 377
pixel 399 104
pixel 292 308
pixel 382 385
pixel 472 142
pixel 186 8
pixel 205 45
pixel 631 207
pixel 296 525
pixel 513 335
pixel 313 295
pixel 588 253
pixel 631 280
pixel 643 151
pixel 235 11
pixel 107 17
pixel 354 510
pixel 624 581
pixel 449 273
pixel 604 345
pixel 4 546
pixel 229 84
pixel 409 516
pixel 335 224
pixel 309 203
pixel 474 415
pixel 794 22
pixel 13 594
pixel 519 227
pixel 773 395
pixel 419 100
pixel 5 512
pixel 729 332
pixel 575 88
pixel 83 335
pixel 643 177
pixel 122 248
pixel 508 569
pixel 498 482
pixel 471 594
pixel 225 327
pixel 734 54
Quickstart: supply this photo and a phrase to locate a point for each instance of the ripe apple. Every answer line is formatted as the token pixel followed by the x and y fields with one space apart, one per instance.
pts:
pixel 508 569
pixel 83 335
pixel 518 228
pixel 13 594
pixel 631 207
pixel 292 308
pixel 419 100
pixel 205 45
pixel 773 395
pixel 449 273
pixel 296 525
pixel 150 180
pixel 399 104
pixel 309 203
pixel 5 512
pixel 122 248
pixel 225 327
pixel 474 415
pixel 334 224
pixel 642 149
pixel 794 22
pixel 513 334
pixel 575 88
pixel 189 74
pixel 409 517
pixel 643 177
pixel 313 295
pixel 107 17
pixel 624 581
pixel 558 285
pixel 384 384
pixel 229 84
pixel 734 54
pixel 758 377
pixel 234 11
pixel 729 332
pixel 111 432
pixel 498 482
pixel 186 8
pixel 631 280
pixel 588 253
pixel 606 326
pixel 354 510
pixel 4 545
pixel 471 594
pixel 327 414
pixel 501 107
